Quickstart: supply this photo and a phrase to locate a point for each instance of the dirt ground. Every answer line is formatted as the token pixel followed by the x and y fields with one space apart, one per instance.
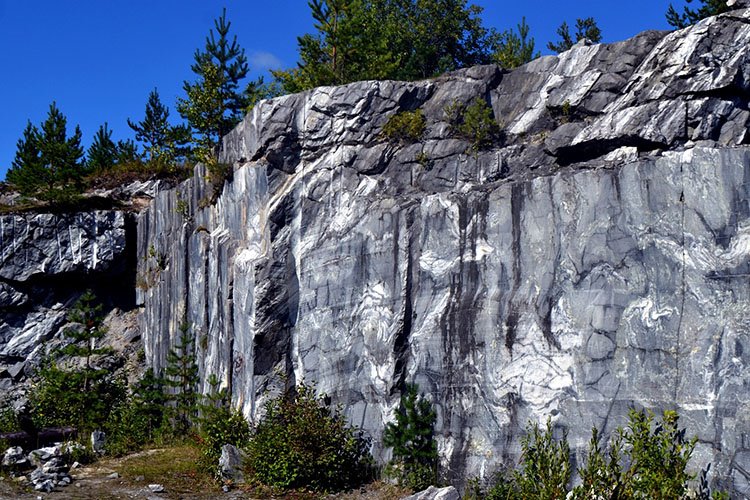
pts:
pixel 176 471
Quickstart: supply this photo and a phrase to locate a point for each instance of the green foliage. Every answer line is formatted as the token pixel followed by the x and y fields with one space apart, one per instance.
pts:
pixel 475 123
pixel 412 437
pixel 219 424
pixel 8 418
pixel 60 397
pixel 691 16
pixel 163 142
pixel 585 28
pixel 77 393
pixel 405 127
pixel 301 443
pixel 214 103
pixel 142 419
pixel 658 454
pixel 87 316
pixel 102 153
pixel 513 50
pixel 388 39
pixel 218 173
pixel 48 164
pixel 545 465
pixel 182 378
pixel 645 460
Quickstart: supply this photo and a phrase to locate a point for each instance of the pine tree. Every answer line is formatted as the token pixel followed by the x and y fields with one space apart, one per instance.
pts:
pixel 204 109
pixel 412 438
pixel 150 400
pixel 163 142
pixel 182 378
pixel 127 151
pixel 691 16
pixel 585 28
pixel 71 394
pixel 102 153
pixel 388 39
pixel 48 164
pixel 215 103
pixel 28 172
pixel 87 315
pixel 515 49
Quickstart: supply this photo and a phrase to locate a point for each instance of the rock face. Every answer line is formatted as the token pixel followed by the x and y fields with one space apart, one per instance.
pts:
pixel 594 259
pixel 46 262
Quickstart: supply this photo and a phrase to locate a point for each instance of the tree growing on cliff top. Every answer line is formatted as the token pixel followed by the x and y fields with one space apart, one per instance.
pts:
pixel 388 39
pixel 691 16
pixel 48 164
pixel 585 29
pixel 162 141
pixel 215 102
pixel 515 49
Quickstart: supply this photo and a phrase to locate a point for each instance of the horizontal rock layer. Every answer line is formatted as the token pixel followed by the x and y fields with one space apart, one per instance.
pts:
pixel 594 259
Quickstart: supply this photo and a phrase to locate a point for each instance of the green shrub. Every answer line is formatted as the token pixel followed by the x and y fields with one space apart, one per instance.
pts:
pixel 412 438
pixel 81 398
pixel 301 443
pixel 645 460
pixel 8 418
pixel 545 465
pixel 474 123
pixel 405 127
pixel 219 424
pixel 77 393
pixel 141 420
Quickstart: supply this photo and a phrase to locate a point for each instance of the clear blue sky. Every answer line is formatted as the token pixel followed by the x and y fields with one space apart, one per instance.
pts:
pixel 99 59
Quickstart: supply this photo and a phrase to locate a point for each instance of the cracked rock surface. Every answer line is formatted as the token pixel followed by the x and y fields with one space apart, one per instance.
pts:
pixel 595 258
pixel 46 262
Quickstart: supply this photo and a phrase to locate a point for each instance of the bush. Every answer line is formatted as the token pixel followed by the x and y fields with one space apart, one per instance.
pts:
pixel 301 443
pixel 81 398
pixel 219 424
pixel 412 438
pixel 644 460
pixel 141 420
pixel 474 123
pixel 8 418
pixel 545 465
pixel 405 127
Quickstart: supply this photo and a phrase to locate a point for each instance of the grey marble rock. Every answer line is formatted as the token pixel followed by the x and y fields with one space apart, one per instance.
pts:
pixel 593 259
pixel 434 493
pixel 230 463
pixel 46 261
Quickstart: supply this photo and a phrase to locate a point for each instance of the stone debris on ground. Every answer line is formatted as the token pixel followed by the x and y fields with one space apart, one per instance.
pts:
pixel 435 493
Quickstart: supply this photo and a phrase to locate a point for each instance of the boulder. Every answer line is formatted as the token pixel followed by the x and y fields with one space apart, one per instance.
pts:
pixel 230 463
pixel 434 493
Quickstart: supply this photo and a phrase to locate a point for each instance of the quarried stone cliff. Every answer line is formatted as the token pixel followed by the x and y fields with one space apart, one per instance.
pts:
pixel 595 258
pixel 46 262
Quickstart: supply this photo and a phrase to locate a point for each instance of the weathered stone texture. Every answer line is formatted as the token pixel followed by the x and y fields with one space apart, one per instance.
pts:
pixel 46 262
pixel 594 259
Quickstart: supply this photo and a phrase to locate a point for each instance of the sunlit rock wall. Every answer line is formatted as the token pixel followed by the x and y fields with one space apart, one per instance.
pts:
pixel 593 260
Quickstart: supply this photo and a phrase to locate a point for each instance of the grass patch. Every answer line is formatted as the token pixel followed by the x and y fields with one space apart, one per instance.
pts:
pixel 175 467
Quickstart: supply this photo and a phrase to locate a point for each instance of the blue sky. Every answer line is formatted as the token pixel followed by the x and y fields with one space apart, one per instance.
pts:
pixel 99 59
